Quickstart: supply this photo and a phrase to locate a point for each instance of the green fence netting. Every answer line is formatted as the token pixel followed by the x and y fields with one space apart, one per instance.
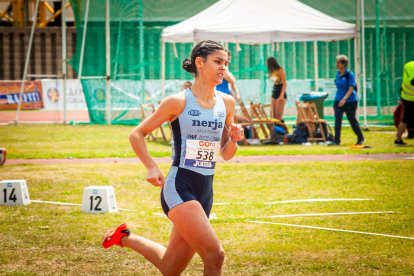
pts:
pixel 395 49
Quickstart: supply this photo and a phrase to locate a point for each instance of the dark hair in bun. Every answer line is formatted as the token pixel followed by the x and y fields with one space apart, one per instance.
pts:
pixel 202 49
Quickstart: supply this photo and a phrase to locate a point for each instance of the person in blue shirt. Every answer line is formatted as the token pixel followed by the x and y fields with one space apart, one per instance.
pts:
pixel 346 101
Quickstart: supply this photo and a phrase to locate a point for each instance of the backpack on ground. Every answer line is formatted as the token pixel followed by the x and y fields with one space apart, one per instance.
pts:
pixel 300 134
pixel 277 135
pixel 317 133
pixel 280 124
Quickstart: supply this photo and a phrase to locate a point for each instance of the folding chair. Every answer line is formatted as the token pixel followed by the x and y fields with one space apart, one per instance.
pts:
pixel 246 114
pixel 274 120
pixel 244 141
pixel 308 114
pixel 259 112
pixel 152 135
pixel 254 121
pixel 262 110
pixel 244 111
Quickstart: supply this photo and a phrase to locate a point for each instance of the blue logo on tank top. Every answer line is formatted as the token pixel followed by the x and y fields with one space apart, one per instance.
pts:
pixel 213 124
pixel 194 112
pixel 220 113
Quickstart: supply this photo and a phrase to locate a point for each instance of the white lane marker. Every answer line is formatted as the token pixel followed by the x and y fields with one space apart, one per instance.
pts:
pixel 71 204
pixel 333 229
pixel 159 214
pixel 121 209
pixel 318 199
pixel 328 214
pixel 57 203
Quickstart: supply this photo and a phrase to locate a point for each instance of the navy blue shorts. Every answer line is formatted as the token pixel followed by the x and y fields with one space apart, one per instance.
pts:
pixel 277 90
pixel 182 185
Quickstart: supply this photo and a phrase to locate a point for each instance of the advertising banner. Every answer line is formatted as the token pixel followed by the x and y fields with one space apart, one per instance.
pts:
pixel 10 94
pixel 53 95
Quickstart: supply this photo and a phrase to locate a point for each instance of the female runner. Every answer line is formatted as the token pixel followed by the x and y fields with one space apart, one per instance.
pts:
pixel 202 124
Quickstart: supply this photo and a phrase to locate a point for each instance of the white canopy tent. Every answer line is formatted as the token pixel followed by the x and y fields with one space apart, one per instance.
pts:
pixel 263 21
pixel 259 21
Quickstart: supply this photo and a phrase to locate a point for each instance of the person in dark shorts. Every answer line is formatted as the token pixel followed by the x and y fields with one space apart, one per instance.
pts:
pixel 279 98
pixel 202 120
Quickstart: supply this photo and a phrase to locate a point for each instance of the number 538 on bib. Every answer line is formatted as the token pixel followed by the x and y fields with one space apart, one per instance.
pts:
pixel 201 154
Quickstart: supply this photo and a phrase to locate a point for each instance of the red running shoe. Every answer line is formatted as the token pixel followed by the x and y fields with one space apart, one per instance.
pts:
pixel 114 237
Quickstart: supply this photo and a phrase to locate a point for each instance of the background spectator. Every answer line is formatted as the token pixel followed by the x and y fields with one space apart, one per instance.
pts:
pixel 278 77
pixel 346 100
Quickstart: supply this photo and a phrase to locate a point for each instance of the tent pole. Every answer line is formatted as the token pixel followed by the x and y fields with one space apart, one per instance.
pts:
pixel 108 63
pixel 81 57
pixel 27 61
pixel 305 58
pixel 315 56
pixel 356 61
pixel 357 50
pixel 262 75
pixel 163 70
pixel 364 83
pixel 118 43
pixel 64 68
pixel 378 58
pixel 385 56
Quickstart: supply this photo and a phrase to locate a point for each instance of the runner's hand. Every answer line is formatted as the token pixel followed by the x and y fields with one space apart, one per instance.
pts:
pixel 155 177
pixel 236 132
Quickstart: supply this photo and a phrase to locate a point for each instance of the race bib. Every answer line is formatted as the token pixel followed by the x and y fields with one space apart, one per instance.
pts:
pixel 201 154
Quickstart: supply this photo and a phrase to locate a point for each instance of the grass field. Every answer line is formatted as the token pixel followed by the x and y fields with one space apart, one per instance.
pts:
pixel 42 239
pixel 96 141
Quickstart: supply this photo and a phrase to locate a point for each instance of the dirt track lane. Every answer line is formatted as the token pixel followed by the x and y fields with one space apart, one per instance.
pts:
pixel 44 116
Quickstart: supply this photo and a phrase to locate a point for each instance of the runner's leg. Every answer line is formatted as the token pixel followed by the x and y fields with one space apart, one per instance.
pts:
pixel 191 232
pixel 193 225
pixel 171 260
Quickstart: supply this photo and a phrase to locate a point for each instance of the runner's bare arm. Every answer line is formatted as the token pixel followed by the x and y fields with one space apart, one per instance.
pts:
pixel 229 148
pixel 169 109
